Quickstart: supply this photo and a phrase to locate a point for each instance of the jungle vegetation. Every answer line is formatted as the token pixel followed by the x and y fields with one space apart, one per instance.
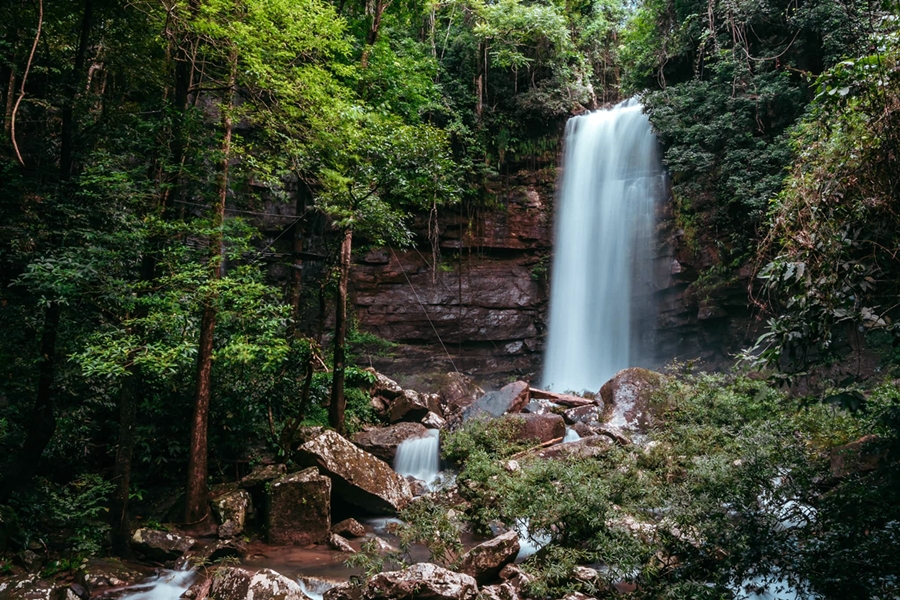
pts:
pixel 144 343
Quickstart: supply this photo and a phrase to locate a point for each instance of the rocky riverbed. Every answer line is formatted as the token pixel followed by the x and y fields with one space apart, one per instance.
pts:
pixel 285 533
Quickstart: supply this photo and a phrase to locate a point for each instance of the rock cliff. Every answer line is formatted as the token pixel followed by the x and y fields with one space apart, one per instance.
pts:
pixel 487 298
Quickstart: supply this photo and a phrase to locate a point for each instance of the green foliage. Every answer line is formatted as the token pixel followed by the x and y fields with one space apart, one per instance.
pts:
pixel 723 83
pixel 488 438
pixel 431 525
pixel 74 514
pixel 729 487
pixel 828 267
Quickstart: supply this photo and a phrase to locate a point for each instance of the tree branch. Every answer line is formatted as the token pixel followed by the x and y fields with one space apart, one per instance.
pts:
pixel 37 37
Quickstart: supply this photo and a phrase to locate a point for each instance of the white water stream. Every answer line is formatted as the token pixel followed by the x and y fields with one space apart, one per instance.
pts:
pixel 167 585
pixel 600 312
pixel 420 457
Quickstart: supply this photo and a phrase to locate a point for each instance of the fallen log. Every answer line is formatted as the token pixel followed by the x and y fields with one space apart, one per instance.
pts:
pixel 561 399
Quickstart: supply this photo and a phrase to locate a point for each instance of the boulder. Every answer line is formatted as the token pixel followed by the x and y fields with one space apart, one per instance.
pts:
pixel 591 414
pixel 458 392
pixel 381 406
pixel 299 508
pixel 234 583
pixel 199 590
pixel 98 573
pixel 32 587
pixel 514 575
pixel 485 561
pixel 413 406
pixel 503 591
pixel 584 430
pixel 434 421
pixel 541 428
pixel 385 386
pixel 860 456
pixel 586 574
pixel 340 544
pixel 614 433
pixel 383 441
pixel 231 509
pixel 628 398
pixel 343 591
pixel 357 477
pixel 349 528
pixel 29 587
pixel 161 545
pixel 510 398
pixel 212 551
pixel 577 596
pixel 262 474
pixel 421 581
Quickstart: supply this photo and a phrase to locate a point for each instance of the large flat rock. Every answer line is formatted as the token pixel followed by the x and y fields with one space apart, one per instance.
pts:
pixel 421 581
pixel 484 561
pixel 357 477
pixel 234 583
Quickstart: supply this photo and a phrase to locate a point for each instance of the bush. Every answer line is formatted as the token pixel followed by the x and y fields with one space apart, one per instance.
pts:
pixel 72 515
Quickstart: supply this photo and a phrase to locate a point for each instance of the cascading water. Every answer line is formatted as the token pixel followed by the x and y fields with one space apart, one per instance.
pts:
pixel 166 585
pixel 600 311
pixel 420 457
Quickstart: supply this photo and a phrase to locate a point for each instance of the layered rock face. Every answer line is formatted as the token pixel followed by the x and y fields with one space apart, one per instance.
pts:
pixel 488 297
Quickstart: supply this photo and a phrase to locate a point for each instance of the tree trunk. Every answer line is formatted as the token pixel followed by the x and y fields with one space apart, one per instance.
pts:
pixel 42 425
pixel 67 132
pixel 479 81
pixel 197 490
pixel 118 510
pixel 336 408
pixel 372 33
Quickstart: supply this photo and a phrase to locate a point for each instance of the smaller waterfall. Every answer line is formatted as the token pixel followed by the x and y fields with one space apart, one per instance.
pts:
pixel 571 436
pixel 420 457
pixel 314 588
pixel 168 585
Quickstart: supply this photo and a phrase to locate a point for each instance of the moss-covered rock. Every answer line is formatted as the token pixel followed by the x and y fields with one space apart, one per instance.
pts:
pixel 299 508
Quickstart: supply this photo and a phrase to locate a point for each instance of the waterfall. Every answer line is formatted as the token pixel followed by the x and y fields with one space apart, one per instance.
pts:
pixel 167 585
pixel 571 436
pixel 420 457
pixel 601 316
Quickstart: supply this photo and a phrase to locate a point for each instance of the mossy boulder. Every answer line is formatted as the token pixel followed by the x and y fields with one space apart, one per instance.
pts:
pixel 357 477
pixel 299 508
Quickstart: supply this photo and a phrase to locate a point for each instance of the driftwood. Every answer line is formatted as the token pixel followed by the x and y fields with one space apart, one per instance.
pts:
pixel 533 448
pixel 561 399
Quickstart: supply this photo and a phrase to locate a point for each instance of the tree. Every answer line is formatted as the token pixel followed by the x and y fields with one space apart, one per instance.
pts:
pixel 371 180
